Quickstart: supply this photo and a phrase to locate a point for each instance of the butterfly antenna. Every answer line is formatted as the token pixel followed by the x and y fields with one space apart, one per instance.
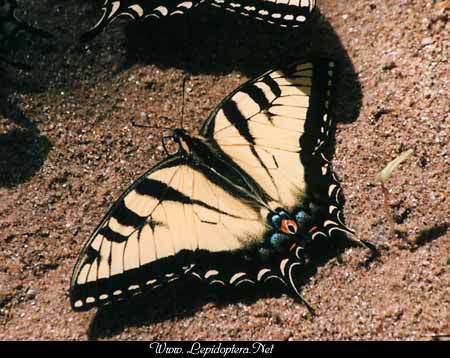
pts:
pixel 141 125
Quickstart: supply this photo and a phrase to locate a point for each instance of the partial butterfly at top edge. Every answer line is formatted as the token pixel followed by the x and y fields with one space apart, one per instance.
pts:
pixel 285 13
pixel 236 204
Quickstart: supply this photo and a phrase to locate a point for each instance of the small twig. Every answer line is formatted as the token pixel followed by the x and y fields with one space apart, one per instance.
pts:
pixel 382 179
pixel 388 211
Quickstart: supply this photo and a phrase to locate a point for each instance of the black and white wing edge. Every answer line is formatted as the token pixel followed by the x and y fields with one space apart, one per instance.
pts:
pixel 285 13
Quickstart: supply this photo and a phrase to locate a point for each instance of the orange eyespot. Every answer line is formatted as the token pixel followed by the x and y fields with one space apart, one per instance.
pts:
pixel 289 226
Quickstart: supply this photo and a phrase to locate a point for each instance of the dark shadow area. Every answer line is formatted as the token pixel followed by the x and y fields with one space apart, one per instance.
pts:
pixel 428 235
pixel 187 296
pixel 22 153
pixel 210 41
pixel 23 149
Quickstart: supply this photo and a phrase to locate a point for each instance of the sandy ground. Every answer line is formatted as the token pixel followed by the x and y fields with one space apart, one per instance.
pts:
pixel 68 149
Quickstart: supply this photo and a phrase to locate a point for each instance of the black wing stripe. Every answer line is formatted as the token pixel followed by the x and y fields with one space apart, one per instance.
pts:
pixel 236 118
pixel 257 95
pixel 112 235
pixel 269 81
pixel 127 217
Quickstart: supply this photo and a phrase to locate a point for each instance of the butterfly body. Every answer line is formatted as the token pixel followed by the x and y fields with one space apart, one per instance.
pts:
pixel 238 203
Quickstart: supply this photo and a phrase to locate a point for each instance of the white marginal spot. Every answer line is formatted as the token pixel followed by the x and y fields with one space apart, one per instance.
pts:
pixel 115 7
pixel 79 303
pixel 133 287
pixel 263 12
pixel 289 17
pixel 117 292
pixel 186 4
pixel 236 276
pixel 261 273
pixel 211 273
pixel 103 296
pixel 283 264
pixel 276 15
pixel 169 275
pixel 151 282
pixel 331 189
pixel 137 9
pixel 332 208
pixel 162 10
pixel 300 18
pixel 325 117
pixel 330 222
pixel 90 300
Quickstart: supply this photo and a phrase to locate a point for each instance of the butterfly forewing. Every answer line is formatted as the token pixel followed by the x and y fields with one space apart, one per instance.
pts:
pixel 260 126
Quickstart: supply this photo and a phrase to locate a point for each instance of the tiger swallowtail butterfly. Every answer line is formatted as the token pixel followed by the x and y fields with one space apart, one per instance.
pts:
pixel 237 203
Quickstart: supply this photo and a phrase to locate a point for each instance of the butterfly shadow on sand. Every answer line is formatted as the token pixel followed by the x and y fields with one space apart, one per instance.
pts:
pixel 208 41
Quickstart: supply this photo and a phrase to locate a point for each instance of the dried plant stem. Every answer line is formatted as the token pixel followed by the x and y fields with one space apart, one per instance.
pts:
pixel 388 212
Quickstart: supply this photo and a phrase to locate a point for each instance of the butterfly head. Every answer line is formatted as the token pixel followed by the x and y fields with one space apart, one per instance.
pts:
pixel 182 138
